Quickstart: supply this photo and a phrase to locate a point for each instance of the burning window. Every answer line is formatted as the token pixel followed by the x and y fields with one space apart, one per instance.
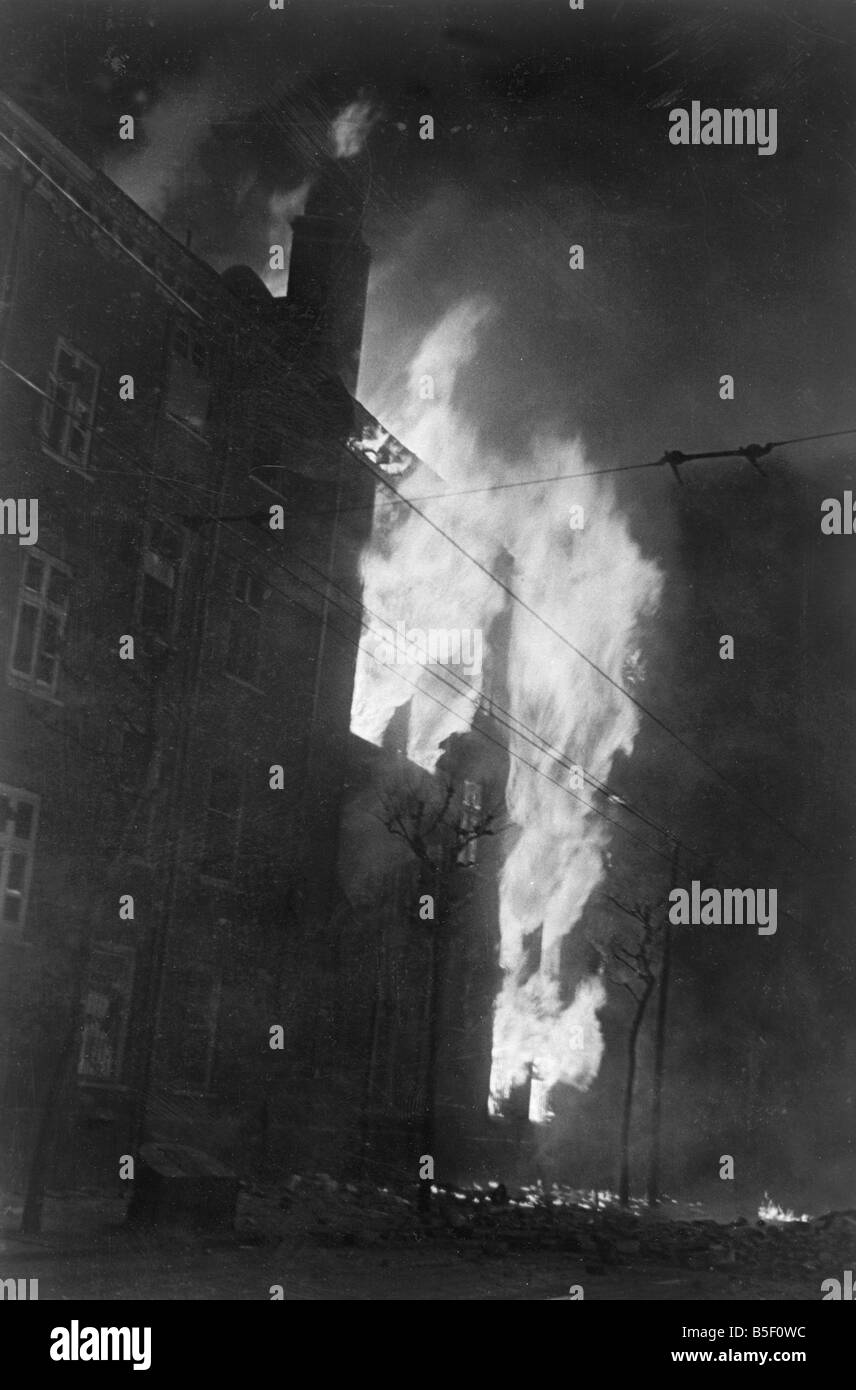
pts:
pixel 18 817
pixel 242 656
pixel 159 580
pixel 106 1005
pixel 40 622
pixel 70 408
pixel 222 825
pixel 471 804
pixel 188 386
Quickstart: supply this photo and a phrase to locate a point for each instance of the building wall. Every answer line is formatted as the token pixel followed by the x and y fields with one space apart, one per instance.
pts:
pixel 386 959
pixel 151 776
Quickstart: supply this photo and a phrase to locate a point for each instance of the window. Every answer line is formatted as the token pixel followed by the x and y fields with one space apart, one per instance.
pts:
pixel 188 387
pixel 242 656
pixel 106 1004
pixel 199 994
pixel 470 819
pixel 161 561
pixel 222 824
pixel 70 408
pixel 18 816
pixel 39 622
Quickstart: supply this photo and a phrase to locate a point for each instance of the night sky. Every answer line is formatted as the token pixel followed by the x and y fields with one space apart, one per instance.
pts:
pixel 551 128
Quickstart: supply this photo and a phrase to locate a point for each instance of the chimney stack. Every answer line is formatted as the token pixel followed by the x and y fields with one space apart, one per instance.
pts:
pixel 329 270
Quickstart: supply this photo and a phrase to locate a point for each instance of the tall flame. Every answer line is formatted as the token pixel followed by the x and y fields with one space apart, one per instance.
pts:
pixel 592 584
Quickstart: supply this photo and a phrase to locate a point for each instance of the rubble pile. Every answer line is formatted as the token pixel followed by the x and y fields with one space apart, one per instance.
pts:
pixel 482 1223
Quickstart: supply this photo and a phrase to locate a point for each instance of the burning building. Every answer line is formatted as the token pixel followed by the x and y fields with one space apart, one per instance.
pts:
pixel 226 536
pixel 461 551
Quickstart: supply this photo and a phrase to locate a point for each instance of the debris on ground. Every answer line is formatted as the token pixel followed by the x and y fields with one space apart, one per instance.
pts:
pixel 600 1234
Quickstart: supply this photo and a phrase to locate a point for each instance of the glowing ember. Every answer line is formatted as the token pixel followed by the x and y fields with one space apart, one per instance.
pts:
pixel 771 1211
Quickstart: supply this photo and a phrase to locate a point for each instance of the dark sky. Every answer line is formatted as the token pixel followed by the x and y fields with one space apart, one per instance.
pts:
pixel 551 128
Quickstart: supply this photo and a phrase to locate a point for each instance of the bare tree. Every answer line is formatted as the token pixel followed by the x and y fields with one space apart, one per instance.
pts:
pixel 653 1192
pixel 432 820
pixel 632 965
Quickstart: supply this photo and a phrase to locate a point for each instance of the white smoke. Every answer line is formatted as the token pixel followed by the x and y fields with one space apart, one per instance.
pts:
pixel 283 208
pixel 164 164
pixel 350 129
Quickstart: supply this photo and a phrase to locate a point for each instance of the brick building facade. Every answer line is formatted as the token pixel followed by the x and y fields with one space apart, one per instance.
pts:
pixel 158 411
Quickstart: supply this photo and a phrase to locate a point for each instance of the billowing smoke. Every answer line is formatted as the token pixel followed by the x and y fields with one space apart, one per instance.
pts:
pixel 188 165
pixel 351 128
pixel 590 582
pixel 164 164
pixel 284 207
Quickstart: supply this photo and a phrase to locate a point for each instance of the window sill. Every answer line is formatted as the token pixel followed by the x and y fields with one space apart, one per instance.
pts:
pixel 86 473
pixel 32 688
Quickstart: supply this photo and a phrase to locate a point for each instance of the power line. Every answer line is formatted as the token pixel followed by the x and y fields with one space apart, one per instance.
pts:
pixel 691 851
pixel 168 289
pixel 518 727
pixel 674 458
pixel 481 732
pixel 506 588
pixel 524 731
pixel 409 502
pixel 752 453
pixel 560 757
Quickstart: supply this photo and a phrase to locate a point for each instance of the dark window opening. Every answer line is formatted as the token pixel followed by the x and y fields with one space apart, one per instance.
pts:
pixel 69 411
pixel 161 562
pixel 40 623
pixel 188 387
pixel 18 812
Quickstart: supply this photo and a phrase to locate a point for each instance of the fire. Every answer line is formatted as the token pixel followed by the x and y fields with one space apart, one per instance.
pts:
pixel 350 129
pixel 591 583
pixel 771 1211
